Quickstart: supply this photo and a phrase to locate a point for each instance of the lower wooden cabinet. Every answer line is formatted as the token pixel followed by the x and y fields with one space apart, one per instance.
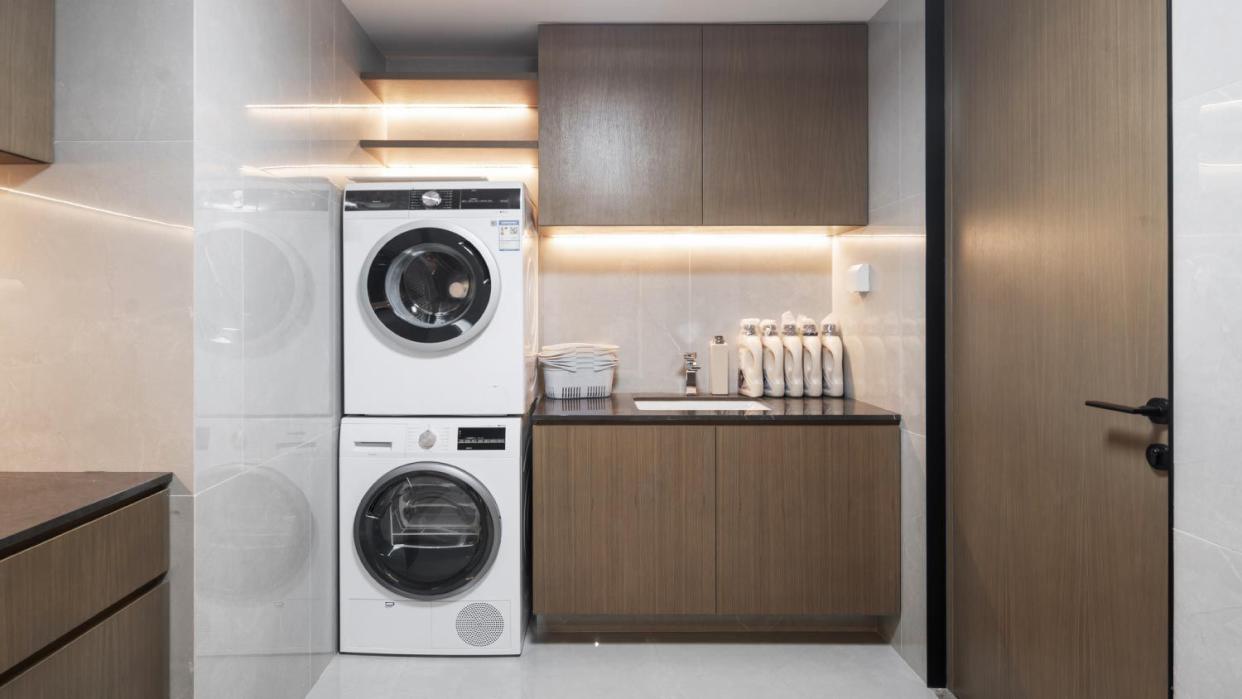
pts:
pixel 125 656
pixel 808 520
pixel 624 520
pixel 716 520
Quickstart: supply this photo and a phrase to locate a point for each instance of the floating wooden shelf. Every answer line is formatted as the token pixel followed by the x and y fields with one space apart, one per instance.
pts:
pixel 474 89
pixel 470 153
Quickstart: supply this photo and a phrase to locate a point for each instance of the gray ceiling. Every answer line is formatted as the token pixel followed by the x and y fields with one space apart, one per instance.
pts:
pixel 507 28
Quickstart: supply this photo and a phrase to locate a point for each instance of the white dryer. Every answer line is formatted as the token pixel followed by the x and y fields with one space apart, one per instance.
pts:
pixel 432 535
pixel 440 298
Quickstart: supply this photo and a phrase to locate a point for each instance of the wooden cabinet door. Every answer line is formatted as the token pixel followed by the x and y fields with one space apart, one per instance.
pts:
pixel 785 124
pixel 620 125
pixel 808 519
pixel 624 520
pixel 26 80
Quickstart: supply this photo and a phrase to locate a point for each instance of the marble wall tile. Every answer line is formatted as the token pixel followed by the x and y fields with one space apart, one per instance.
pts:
pixel 1207 618
pixel 267 335
pixel 1207 281
pixel 124 70
pixel 885 330
pixel 94 341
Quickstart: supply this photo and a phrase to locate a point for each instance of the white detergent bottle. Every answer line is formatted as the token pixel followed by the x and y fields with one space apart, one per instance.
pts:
pixel 773 359
pixel 793 355
pixel 834 355
pixel 812 353
pixel 749 359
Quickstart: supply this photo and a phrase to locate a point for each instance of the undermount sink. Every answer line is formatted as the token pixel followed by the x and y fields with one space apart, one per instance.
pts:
pixel 704 404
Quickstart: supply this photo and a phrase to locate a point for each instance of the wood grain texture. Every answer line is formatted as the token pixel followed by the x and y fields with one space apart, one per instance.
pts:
pixel 785 124
pixel 620 125
pixel 27 59
pixel 624 520
pixel 53 587
pixel 808 520
pixel 125 656
pixel 1059 293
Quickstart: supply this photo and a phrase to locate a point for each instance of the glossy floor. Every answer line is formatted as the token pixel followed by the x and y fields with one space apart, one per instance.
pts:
pixel 672 670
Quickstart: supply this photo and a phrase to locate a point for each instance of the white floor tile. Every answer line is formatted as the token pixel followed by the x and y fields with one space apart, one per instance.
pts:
pixel 655 669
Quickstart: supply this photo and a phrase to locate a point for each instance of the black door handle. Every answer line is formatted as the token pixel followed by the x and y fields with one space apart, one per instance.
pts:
pixel 1156 409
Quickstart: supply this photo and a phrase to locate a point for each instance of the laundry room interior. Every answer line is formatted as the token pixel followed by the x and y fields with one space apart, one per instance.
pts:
pixel 365 348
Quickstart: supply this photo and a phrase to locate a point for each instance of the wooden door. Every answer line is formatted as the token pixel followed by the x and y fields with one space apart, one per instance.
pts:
pixel 620 125
pixel 1059 222
pixel 785 124
pixel 808 520
pixel 624 520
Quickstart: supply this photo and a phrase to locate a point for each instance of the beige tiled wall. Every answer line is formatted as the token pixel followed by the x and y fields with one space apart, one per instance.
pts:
pixel 659 298
pixel 95 325
pixel 96 260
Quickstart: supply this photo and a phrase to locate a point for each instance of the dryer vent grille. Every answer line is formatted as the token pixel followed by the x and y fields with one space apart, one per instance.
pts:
pixel 480 624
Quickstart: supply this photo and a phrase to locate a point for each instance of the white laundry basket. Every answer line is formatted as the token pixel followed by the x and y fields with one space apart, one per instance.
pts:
pixel 578 370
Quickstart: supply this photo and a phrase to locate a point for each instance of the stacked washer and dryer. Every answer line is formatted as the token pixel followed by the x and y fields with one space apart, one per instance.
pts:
pixel 440 335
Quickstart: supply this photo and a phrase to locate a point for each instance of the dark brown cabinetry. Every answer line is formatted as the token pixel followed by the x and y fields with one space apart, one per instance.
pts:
pixel 624 520
pixel 785 124
pixel 83 598
pixel 808 520
pixel 718 125
pixel 26 80
pixel 620 125
pixel 716 520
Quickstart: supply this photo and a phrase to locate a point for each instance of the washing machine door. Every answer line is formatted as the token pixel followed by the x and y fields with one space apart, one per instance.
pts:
pixel 431 288
pixel 427 530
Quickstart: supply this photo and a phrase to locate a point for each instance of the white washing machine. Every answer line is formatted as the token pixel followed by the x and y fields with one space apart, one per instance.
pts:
pixel 432 536
pixel 440 298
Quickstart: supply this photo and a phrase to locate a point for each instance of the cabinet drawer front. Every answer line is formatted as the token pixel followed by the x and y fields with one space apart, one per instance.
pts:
pixel 809 520
pixel 49 589
pixel 624 520
pixel 123 656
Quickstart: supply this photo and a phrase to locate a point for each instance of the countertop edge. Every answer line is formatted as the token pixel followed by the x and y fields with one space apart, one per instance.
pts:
pixel 47 529
pixel 619 409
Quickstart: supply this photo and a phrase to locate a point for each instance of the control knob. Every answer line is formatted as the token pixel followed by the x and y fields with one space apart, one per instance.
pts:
pixel 427 439
pixel 431 199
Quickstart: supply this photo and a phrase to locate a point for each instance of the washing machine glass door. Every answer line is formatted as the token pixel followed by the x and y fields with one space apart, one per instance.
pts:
pixel 431 288
pixel 427 530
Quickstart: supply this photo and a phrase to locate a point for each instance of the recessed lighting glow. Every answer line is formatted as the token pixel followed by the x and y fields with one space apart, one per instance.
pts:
pixel 383 106
pixel 395 171
pixel 691 239
pixel 95 209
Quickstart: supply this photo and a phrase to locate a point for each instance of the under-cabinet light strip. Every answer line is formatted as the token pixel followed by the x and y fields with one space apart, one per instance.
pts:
pixel 389 107
pixel 96 209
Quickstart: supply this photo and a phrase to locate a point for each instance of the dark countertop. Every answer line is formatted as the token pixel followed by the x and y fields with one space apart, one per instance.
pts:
pixel 620 408
pixel 35 506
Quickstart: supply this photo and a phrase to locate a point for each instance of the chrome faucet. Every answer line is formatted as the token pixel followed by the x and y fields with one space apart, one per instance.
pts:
pixel 692 373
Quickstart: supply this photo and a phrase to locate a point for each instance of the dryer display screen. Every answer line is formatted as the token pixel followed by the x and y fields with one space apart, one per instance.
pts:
pixel 481 438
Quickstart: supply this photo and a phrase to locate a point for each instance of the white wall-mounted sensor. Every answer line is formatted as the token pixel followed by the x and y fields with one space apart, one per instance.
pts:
pixel 858 279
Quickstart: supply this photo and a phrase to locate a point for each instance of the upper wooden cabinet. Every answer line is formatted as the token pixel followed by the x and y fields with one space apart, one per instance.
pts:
pixel 26 80
pixel 719 125
pixel 785 124
pixel 620 125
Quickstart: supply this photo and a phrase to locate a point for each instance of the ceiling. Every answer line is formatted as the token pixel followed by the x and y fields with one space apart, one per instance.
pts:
pixel 507 27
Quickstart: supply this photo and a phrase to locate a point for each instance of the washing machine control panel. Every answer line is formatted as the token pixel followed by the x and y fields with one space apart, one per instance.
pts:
pixel 437 439
pixel 432 199
pixel 480 439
